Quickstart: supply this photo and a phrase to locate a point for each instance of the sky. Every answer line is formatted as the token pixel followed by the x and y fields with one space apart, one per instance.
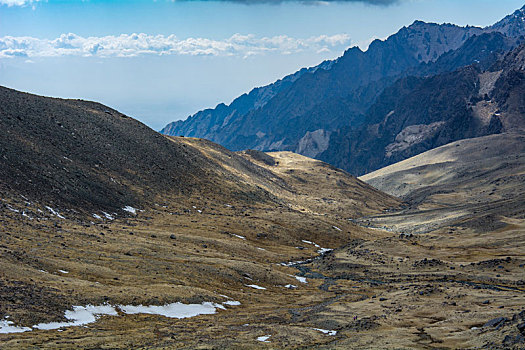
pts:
pixel 163 60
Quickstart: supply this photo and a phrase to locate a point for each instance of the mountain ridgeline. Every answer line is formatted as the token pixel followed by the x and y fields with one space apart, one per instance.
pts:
pixel 329 111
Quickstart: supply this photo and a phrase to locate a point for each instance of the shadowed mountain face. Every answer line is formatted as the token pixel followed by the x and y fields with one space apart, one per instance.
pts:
pixel 466 103
pixel 306 111
pixel 80 154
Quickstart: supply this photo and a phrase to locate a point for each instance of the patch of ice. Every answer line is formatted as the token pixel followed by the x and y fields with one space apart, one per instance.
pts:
pixel 96 216
pixel 108 216
pixel 200 211
pixel 63 271
pixel 254 286
pixel 241 237
pixel 260 248
pixel 290 286
pixel 264 338
pixel 175 310
pixel 224 296
pixel 232 303
pixel 326 331
pixel 324 250
pixel 80 316
pixel 130 209
pixel 337 228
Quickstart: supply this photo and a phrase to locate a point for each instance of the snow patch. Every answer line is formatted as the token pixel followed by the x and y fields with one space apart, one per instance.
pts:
pixel 238 236
pixel 80 316
pixel 264 338
pixel 83 315
pixel 108 216
pixel 175 310
pixel 55 212
pixel 301 279
pixel 7 327
pixel 254 286
pixel 326 331
pixel 336 228
pixel 63 271
pixel 312 243
pixel 130 209
pixel 96 216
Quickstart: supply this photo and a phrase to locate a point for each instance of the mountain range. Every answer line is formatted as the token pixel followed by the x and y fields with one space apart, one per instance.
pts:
pixel 320 111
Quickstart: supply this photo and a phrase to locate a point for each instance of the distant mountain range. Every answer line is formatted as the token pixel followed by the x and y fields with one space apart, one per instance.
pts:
pixel 364 110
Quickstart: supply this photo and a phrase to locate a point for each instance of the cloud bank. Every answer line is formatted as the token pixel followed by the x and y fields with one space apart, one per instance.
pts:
pixel 132 45
pixel 10 3
pixel 247 2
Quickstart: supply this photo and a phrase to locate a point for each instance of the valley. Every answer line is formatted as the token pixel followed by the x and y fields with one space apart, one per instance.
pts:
pixel 286 251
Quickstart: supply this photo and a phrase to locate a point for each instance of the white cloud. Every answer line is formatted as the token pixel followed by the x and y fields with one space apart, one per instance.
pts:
pixel 10 3
pixel 130 45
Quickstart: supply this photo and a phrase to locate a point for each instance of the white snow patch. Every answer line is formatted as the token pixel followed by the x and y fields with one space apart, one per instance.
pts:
pixel 254 286
pixel 55 212
pixel 261 248
pixel 12 209
pixel 312 243
pixel 326 331
pixel 7 327
pixel 324 250
pixel 63 271
pixel 81 315
pixel 241 237
pixel 264 338
pixel 290 286
pixel 175 310
pixel 337 228
pixel 27 216
pixel 200 211
pixel 301 279
pixel 96 216
pixel 108 216
pixel 130 209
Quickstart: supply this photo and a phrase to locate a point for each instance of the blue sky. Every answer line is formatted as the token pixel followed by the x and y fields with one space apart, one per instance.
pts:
pixel 190 55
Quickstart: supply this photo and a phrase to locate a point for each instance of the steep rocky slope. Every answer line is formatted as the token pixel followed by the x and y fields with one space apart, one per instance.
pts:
pixel 466 103
pixel 78 156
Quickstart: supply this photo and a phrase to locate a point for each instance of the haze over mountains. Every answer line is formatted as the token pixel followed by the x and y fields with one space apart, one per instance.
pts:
pixel 319 112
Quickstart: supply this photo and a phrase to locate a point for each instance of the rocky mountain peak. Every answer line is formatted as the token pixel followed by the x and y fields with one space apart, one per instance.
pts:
pixel 512 25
